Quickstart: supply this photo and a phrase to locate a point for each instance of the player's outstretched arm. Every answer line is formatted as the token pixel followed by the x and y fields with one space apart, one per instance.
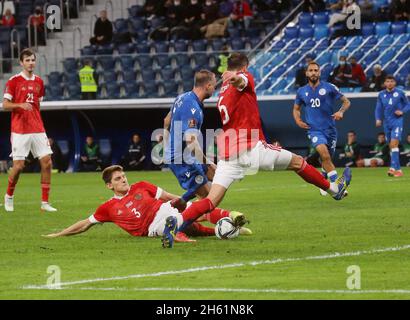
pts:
pixel 10 106
pixel 345 106
pixel 297 116
pixel 76 228
pixel 234 79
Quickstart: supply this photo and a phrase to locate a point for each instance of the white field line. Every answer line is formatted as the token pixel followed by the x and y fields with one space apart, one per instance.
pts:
pixel 226 266
pixel 245 290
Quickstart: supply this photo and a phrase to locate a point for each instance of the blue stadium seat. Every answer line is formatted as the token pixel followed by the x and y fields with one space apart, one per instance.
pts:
pixel 403 56
pixel 74 91
pixel 105 49
pixel 186 73
pixel 55 78
pixel 129 76
pixel 161 46
pixel 126 62
pixel 253 32
pixel 291 33
pixel 88 51
pixel 163 60
pixel 181 46
pixel 398 28
pixel 140 35
pixel 391 67
pixel 137 24
pixel 254 41
pixel 148 75
pixel 121 25
pixel 326 57
pixel 321 31
pixel 320 18
pixel 367 29
pixel 306 32
pixel 167 74
pixel 150 89
pixel 237 44
pixel 217 44
pixel 113 90
pixel 387 56
pixel 156 22
pixel 142 47
pixel 70 65
pixel 56 92
pixel 107 63
pixel 305 19
pixel 131 90
pixel 199 45
pixel 188 84
pixel 170 89
pixel 109 77
pixel 71 78
pixel 234 33
pixel 135 10
pixel 144 61
pixel 373 55
pixel 182 60
pixel 383 28
pixel 125 48
pixel 201 60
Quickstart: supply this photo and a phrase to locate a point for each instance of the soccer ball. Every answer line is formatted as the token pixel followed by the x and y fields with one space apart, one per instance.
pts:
pixel 225 229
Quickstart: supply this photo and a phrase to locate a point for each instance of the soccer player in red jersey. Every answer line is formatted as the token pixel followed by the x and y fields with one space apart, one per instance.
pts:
pixel 242 146
pixel 140 209
pixel 22 96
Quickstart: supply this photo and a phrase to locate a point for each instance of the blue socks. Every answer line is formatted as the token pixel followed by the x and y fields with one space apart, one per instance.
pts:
pixel 395 159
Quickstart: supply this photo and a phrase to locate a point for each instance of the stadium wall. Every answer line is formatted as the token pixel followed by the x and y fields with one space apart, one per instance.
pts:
pixel 116 120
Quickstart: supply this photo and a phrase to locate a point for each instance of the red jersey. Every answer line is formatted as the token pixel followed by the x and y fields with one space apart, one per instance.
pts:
pixel 20 89
pixel 242 127
pixel 133 212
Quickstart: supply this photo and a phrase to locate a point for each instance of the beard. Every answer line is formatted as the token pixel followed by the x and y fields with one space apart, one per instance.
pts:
pixel 314 80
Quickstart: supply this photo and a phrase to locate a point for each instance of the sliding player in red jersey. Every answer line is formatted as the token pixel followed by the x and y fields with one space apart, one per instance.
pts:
pixel 141 210
pixel 243 148
pixel 22 97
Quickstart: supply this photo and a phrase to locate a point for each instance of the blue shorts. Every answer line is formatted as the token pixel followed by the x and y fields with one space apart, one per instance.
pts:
pixel 190 177
pixel 393 130
pixel 327 137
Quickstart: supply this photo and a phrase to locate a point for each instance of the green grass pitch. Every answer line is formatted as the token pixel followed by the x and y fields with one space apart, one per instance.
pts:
pixel 290 220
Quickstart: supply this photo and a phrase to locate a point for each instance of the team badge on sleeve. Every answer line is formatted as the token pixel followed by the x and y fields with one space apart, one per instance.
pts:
pixel 192 123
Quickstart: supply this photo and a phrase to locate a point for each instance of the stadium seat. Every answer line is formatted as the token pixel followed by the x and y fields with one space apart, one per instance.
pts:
pixel 129 76
pixel 136 24
pixel 126 62
pixel 182 60
pixel 113 90
pixel 186 73
pixel 144 61
pixel 181 46
pixel 148 75
pixel 199 45
pixel 252 33
pixel 56 92
pixel 140 35
pixel 163 60
pixel 237 44
pixel 131 90
pixel 150 89
pixel 142 47
pixel 156 22
pixel 135 10
pixel 320 18
pixel 383 28
pixel 367 29
pixel 121 25
pixel 74 92
pixel 125 48
pixel 321 31
pixel 305 19
pixel 55 78
pixel 71 78
pixel 170 89
pixel 167 74
pixel 201 60
pixel 234 33
pixel 291 33
pixel 398 28
pixel 109 77
pixel 107 63
pixel 187 85
pixel 254 41
pixel 105 49
pixel 391 68
pixel 88 51
pixel 305 32
pixel 387 56
pixel 161 46
pixel 70 65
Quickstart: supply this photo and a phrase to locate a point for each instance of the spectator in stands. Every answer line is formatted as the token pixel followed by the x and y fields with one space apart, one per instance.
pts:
pixel 192 20
pixel 56 157
pixel 400 10
pixel 358 76
pixel 8 19
pixel 348 6
pixel 342 74
pixel 176 13
pixel 90 158
pixel 300 77
pixel 241 13
pixel 135 156
pixel 102 30
pixel 405 154
pixel 226 7
pixel 153 8
pixel 366 8
pixel 376 82
pixel 210 12
pixel 351 150
pixel 37 25
pixel 215 29
pixel 9 5
pixel 88 80
pixel 314 5
pixel 380 154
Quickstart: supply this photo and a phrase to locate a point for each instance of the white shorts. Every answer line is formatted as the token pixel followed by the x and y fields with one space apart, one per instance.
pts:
pixel 156 228
pixel 22 144
pixel 367 161
pixel 262 157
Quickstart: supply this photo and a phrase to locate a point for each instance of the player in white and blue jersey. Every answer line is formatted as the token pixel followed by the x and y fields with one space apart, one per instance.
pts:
pixel 392 104
pixel 183 152
pixel 318 99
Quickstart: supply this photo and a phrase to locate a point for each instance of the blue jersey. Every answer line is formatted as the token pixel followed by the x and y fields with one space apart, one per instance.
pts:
pixel 186 115
pixel 388 102
pixel 318 103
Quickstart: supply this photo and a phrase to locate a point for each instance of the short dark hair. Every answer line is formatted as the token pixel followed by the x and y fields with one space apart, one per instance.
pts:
pixel 381 134
pixel 27 53
pixel 390 77
pixel 203 77
pixel 237 60
pixel 108 172
pixel 352 131
pixel 314 63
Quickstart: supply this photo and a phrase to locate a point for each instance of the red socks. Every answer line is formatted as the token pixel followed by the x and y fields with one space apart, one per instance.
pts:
pixel 45 190
pixel 215 215
pixel 198 230
pixel 197 209
pixel 10 188
pixel 311 175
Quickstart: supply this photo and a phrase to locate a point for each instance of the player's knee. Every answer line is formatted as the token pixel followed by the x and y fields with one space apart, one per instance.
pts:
pixel 19 166
pixel 296 163
pixel 373 163
pixel 46 163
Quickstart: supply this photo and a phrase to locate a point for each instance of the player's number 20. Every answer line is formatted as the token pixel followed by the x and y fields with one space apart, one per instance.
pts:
pixel 224 114
pixel 315 103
